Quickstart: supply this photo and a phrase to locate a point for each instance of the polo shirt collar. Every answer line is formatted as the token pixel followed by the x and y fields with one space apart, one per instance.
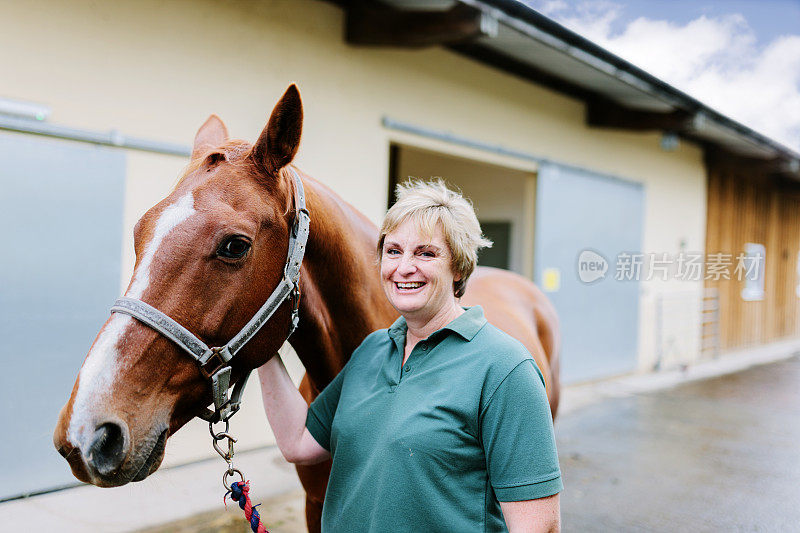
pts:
pixel 466 325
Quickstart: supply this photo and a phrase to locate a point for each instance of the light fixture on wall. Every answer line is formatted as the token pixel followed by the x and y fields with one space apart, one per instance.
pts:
pixel 21 109
pixel 669 141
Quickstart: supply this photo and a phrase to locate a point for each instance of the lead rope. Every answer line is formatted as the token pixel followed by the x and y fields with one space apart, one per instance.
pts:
pixel 239 493
pixel 239 490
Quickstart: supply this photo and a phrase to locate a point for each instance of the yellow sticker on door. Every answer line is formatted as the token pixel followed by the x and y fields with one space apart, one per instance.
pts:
pixel 551 279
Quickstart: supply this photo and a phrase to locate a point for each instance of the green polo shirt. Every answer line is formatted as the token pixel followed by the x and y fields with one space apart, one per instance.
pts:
pixel 436 444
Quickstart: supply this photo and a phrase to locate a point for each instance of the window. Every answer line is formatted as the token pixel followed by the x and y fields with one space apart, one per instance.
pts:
pixel 500 253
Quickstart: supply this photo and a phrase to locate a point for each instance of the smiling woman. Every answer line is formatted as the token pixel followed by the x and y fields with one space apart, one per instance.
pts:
pixel 416 274
pixel 428 248
pixel 440 422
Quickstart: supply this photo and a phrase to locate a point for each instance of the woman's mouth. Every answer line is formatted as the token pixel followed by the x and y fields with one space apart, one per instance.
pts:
pixel 407 286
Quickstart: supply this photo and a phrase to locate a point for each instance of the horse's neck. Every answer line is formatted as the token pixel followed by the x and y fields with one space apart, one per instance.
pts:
pixel 342 300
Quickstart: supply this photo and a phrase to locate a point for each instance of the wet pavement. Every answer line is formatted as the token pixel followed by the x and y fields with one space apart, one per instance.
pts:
pixel 721 454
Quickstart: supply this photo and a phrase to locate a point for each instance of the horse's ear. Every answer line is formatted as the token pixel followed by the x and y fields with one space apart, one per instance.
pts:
pixel 212 133
pixel 280 139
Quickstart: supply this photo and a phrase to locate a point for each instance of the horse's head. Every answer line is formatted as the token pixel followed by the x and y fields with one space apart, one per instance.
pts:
pixel 208 256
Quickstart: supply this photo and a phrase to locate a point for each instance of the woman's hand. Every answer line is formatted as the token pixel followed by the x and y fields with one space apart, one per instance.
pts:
pixel 286 411
pixel 529 516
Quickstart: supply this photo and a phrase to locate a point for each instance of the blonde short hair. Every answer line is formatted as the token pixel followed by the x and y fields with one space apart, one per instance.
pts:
pixel 430 203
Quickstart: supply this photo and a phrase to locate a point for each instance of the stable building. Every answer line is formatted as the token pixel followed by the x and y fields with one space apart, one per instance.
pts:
pixel 663 231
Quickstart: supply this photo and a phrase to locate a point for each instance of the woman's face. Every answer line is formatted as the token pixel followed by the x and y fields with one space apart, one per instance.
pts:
pixel 416 272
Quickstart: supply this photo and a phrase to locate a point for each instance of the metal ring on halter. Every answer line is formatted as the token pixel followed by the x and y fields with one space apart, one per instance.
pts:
pixel 218 437
pixel 230 472
pixel 214 435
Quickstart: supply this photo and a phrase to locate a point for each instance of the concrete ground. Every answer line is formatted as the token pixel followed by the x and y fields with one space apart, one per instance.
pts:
pixel 721 454
pixel 715 448
pixel 282 514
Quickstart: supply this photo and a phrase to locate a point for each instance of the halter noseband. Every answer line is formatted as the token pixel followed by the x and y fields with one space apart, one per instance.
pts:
pixel 213 362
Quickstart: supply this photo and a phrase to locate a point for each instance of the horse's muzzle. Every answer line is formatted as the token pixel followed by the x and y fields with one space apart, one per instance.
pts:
pixel 109 459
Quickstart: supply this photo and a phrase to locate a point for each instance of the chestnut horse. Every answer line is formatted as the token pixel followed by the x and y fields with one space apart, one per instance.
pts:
pixel 208 256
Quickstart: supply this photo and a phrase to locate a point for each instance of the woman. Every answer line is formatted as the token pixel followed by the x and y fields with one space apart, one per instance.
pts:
pixel 439 423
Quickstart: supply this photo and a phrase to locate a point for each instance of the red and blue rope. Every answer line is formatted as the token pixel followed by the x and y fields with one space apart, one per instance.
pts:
pixel 240 493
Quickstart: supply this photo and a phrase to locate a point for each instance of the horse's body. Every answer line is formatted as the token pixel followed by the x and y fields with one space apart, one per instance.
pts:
pixel 136 387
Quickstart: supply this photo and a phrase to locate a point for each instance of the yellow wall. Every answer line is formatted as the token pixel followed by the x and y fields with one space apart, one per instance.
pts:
pixel 157 69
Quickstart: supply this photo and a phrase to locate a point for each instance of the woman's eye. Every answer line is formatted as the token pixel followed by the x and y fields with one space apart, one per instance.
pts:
pixel 233 248
pixel 427 254
pixel 392 251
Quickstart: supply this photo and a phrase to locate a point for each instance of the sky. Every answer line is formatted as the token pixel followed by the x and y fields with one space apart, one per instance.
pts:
pixel 739 57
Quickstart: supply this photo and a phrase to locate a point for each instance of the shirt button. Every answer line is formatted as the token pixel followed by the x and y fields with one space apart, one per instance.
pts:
pixel 392 388
pixel 424 347
pixel 407 369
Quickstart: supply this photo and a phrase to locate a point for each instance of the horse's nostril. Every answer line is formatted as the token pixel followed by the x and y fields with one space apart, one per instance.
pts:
pixel 108 448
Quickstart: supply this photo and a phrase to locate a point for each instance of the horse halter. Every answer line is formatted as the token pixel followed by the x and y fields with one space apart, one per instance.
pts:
pixel 213 362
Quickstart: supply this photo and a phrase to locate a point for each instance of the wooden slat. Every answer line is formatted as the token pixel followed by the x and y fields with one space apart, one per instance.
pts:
pixel 791 242
pixel 774 320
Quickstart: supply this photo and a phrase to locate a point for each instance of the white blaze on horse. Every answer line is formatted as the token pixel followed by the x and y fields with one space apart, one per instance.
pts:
pixel 208 257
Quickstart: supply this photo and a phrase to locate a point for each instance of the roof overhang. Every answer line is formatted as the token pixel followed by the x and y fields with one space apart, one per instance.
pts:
pixel 510 36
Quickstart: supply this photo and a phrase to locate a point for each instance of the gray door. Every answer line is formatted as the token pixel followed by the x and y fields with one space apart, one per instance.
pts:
pixel 60 270
pixel 577 211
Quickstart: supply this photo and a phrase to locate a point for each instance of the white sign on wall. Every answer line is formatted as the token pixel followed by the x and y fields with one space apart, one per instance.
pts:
pixel 797 289
pixel 754 256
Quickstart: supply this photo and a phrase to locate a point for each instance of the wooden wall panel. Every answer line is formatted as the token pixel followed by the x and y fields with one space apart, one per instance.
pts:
pixel 774 272
pixel 746 204
pixel 790 240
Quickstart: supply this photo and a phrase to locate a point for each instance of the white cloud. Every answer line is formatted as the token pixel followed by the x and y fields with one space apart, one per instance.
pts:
pixel 714 59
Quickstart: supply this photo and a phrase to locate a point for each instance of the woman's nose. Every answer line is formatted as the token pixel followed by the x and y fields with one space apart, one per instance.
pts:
pixel 407 265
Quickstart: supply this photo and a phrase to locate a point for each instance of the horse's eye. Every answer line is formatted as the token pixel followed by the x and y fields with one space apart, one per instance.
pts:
pixel 233 248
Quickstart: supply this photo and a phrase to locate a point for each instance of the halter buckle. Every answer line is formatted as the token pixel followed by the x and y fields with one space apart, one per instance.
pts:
pixel 215 362
pixel 296 222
